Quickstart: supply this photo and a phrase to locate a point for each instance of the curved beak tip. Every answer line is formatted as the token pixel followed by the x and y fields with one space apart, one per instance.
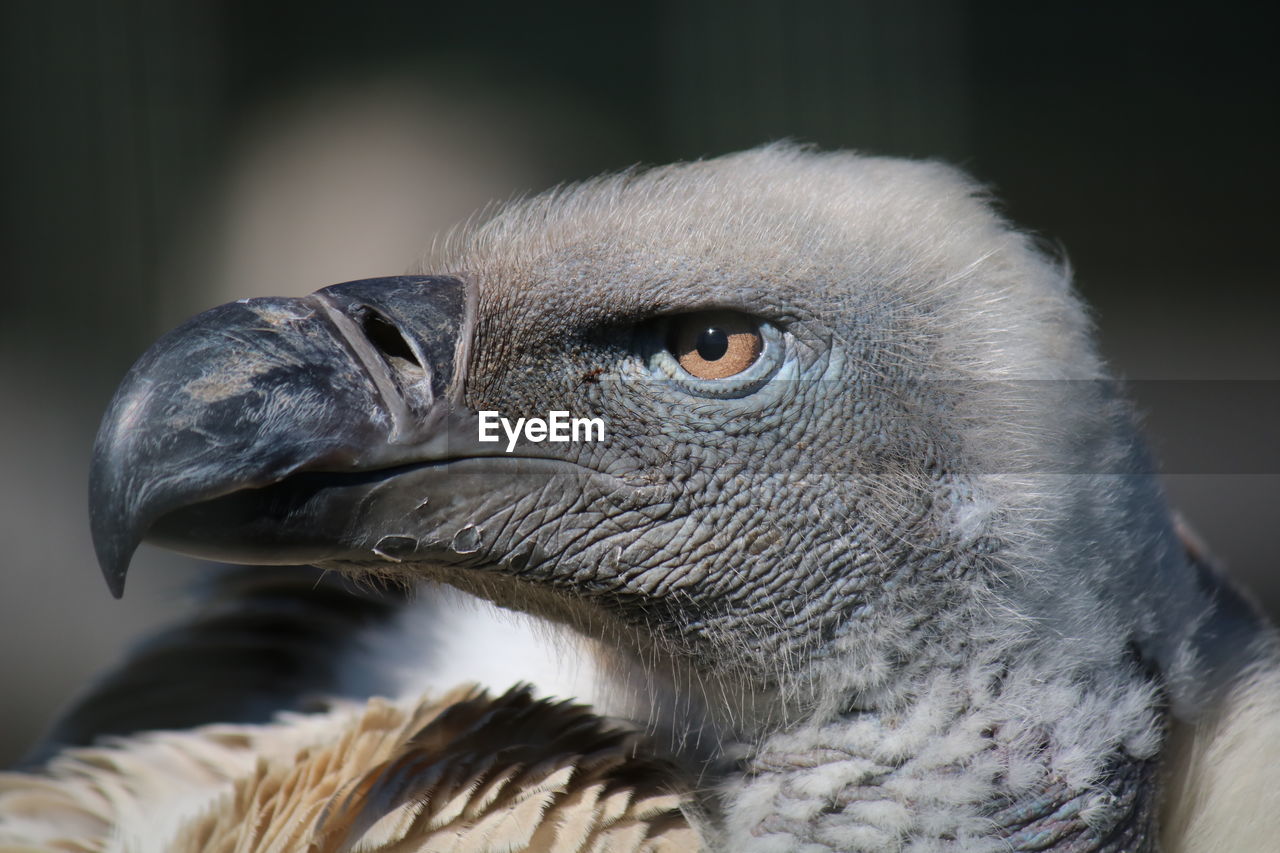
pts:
pixel 114 554
pixel 115 575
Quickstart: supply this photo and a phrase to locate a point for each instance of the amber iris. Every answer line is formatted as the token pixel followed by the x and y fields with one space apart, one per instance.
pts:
pixel 715 344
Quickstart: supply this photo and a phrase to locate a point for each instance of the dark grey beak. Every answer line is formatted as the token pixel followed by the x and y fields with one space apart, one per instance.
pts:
pixel 324 392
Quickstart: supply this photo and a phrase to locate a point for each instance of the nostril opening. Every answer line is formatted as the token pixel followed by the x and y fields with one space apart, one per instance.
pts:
pixel 383 334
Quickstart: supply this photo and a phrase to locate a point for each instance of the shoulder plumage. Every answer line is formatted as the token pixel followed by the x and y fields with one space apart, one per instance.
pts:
pixel 485 773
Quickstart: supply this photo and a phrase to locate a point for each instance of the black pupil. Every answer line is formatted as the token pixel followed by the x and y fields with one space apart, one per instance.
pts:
pixel 712 344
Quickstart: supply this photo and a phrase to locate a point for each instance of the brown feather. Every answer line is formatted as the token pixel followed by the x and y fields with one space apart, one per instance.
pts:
pixel 467 772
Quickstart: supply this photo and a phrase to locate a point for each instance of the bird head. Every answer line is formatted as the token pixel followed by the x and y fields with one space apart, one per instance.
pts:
pixel 852 428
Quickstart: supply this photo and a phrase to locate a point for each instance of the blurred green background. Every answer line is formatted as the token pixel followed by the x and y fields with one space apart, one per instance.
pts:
pixel 163 157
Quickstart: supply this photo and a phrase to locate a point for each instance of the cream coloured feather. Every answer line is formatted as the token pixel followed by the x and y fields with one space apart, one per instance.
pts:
pixel 465 772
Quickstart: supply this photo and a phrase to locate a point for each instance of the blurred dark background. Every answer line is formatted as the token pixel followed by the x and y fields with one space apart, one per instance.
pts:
pixel 160 158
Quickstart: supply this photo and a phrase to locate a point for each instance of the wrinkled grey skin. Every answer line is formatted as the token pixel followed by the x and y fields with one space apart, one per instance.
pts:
pixel 911 576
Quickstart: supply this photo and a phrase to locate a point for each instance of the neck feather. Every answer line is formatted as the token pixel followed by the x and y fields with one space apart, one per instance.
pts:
pixel 996 757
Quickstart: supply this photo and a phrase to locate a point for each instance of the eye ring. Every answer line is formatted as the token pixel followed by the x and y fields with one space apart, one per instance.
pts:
pixel 714 345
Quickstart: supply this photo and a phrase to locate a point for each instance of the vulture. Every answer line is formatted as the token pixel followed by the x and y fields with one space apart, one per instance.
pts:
pixel 773 502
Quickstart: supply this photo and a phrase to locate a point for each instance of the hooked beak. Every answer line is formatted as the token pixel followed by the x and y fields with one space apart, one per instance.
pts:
pixel 262 430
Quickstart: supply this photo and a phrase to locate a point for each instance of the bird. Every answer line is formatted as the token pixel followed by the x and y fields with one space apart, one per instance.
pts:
pixel 868 554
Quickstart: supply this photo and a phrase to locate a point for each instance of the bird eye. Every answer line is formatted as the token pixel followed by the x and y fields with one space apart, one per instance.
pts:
pixel 715 344
pixel 720 354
